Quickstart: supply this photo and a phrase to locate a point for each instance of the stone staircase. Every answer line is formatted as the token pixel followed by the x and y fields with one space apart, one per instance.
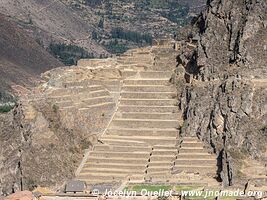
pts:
pixel 141 142
pixel 193 158
pixel 144 129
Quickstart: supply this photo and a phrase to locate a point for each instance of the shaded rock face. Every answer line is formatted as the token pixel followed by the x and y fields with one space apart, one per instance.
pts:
pixel 232 32
pixel 42 140
pixel 40 152
pixel 228 116
pixel 225 104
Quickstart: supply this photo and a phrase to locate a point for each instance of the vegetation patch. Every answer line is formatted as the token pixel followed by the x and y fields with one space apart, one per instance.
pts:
pixel 172 10
pixel 7 102
pixel 68 54
pixel 138 38
pixel 5 108
pixel 115 47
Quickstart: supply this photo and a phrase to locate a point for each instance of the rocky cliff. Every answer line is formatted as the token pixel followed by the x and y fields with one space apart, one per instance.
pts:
pixel 224 100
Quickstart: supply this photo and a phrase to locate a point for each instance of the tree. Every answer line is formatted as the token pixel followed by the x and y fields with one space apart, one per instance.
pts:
pixel 101 23
pixel 94 35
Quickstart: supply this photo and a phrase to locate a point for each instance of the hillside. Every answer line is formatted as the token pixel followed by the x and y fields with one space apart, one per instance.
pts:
pixel 89 24
pixel 184 114
pixel 22 59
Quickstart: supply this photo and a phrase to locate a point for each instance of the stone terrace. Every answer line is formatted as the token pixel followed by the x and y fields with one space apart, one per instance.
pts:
pixel 141 142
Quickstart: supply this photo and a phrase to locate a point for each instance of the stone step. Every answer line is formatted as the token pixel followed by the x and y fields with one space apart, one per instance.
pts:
pixel 97 93
pixel 149 95
pixel 144 123
pixel 194 156
pixel 68 109
pixel 128 73
pixel 63 104
pixel 192 144
pixel 160 164
pixel 151 109
pixel 101 178
pixel 136 62
pixel 143 132
pixel 147 102
pixel 147 115
pixel 89 108
pixel 147 88
pixel 97 100
pixel 75 90
pixel 88 83
pixel 149 140
pixel 192 150
pixel 165 158
pixel 97 178
pixel 151 170
pixel 164 152
pixel 61 98
pixel 195 162
pixel 164 175
pixel 117 160
pixel 190 139
pixel 112 171
pixel 134 59
pixel 79 96
pixel 155 74
pixel 120 141
pixel 163 147
pixel 147 82
pixel 139 167
pixel 108 154
pixel 195 169
pixel 121 148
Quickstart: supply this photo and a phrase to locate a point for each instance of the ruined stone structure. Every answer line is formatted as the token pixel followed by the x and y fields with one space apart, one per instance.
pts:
pixel 141 142
pixel 113 122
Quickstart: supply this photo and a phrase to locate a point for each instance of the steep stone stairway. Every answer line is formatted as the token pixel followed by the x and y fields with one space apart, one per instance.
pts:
pixel 141 142
pixel 141 135
pixel 193 158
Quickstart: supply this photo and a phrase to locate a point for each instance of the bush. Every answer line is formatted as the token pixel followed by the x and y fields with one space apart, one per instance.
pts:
pixel 101 23
pixel 5 108
pixel 5 97
pixel 115 48
pixel 138 38
pixel 7 102
pixel 69 54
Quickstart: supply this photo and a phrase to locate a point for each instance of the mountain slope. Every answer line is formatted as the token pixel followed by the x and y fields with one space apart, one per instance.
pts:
pixel 89 23
pixel 21 58
pixel 51 20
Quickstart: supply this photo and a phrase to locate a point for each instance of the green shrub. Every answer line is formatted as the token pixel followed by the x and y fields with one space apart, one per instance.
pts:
pixel 138 38
pixel 115 48
pixel 6 108
pixel 68 54
pixel 7 102
pixel 101 23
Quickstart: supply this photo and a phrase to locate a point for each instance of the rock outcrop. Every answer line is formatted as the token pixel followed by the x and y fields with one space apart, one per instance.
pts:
pixel 224 100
